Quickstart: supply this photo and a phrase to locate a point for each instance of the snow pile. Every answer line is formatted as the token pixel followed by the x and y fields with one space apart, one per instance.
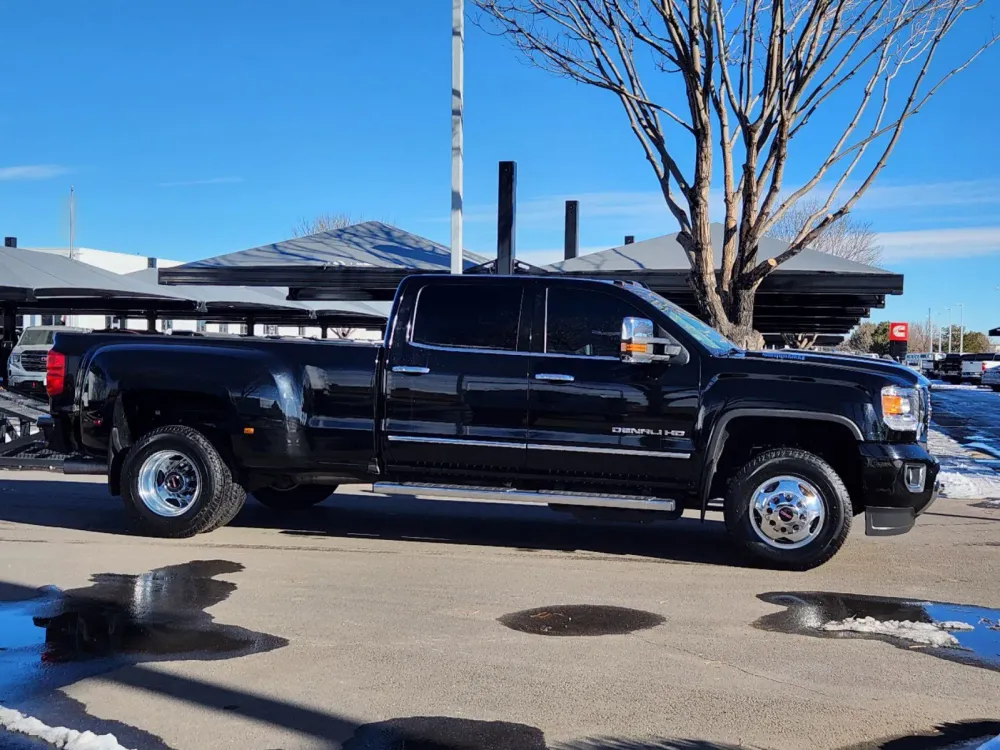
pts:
pixel 61 737
pixel 928 633
pixel 962 477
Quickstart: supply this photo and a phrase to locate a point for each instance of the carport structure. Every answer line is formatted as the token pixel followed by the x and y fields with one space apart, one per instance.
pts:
pixel 364 261
pixel 814 293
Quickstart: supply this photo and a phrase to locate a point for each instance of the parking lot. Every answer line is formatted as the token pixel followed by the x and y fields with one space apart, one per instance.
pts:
pixel 373 622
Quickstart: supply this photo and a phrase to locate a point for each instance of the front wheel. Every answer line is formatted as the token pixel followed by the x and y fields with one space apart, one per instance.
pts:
pixel 789 509
pixel 294 497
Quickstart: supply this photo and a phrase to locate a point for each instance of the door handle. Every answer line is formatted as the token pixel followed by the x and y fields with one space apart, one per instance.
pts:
pixel 554 377
pixel 408 370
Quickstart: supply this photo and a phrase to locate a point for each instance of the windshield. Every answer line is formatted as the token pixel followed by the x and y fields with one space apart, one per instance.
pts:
pixel 707 336
pixel 37 337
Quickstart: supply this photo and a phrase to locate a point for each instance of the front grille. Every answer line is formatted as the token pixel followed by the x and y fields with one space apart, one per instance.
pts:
pixel 33 361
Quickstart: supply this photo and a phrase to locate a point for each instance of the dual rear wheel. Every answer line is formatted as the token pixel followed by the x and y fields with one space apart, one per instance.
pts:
pixel 176 484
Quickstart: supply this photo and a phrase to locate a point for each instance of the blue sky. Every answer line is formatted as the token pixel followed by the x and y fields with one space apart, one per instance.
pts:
pixel 191 129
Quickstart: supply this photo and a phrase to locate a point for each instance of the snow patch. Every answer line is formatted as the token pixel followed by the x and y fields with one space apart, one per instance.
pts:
pixel 929 633
pixel 61 737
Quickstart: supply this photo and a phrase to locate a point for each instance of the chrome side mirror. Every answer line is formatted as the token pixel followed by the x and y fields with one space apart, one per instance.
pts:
pixel 639 342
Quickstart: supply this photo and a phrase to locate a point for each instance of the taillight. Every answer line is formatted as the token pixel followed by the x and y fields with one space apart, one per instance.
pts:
pixel 984 367
pixel 55 373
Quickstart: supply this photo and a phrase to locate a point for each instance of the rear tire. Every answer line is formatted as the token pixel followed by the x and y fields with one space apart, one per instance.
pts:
pixel 175 484
pixel 787 489
pixel 296 497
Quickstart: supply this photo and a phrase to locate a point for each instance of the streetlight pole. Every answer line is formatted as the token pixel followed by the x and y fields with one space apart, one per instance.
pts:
pixel 948 310
pixel 961 327
pixel 457 105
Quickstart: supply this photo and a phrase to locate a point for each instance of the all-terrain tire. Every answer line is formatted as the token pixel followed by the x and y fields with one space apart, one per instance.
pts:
pixel 296 497
pixel 740 516
pixel 217 500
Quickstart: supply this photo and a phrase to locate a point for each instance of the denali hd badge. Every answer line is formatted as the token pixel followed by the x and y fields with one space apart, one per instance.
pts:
pixel 644 431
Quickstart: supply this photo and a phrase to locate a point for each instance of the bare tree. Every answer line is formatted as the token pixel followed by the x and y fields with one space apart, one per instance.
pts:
pixel 748 76
pixel 800 340
pixel 343 333
pixel 847 237
pixel 920 337
pixel 321 223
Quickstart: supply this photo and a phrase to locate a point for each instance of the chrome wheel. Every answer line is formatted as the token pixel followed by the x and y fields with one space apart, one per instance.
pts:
pixel 787 512
pixel 169 483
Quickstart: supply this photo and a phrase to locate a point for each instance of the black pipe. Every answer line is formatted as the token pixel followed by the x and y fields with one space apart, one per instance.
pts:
pixel 571 236
pixel 78 466
pixel 507 198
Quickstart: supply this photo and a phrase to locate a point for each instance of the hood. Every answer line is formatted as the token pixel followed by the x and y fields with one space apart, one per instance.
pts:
pixel 892 372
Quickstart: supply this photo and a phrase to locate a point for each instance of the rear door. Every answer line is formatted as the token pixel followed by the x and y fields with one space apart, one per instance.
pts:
pixel 457 379
pixel 594 417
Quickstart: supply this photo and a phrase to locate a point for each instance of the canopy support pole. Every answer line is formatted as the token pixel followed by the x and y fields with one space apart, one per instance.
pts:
pixel 9 339
pixel 151 321
pixel 251 324
pixel 325 332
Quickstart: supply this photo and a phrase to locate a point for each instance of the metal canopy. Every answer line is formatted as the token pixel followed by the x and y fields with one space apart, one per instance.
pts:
pixel 235 299
pixel 370 247
pixel 813 292
pixel 27 276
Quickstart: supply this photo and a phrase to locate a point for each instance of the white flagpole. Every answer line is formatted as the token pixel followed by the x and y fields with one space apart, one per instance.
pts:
pixel 457 84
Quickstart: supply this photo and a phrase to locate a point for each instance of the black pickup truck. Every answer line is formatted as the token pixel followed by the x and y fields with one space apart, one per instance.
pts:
pixel 589 396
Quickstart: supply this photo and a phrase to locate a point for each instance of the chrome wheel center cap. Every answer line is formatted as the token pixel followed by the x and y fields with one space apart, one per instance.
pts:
pixel 787 512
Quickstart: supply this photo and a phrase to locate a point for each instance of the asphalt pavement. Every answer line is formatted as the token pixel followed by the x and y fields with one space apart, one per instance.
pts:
pixel 372 623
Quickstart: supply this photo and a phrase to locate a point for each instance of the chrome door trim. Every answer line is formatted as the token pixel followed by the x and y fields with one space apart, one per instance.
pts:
pixel 411 370
pixel 455 441
pixel 613 451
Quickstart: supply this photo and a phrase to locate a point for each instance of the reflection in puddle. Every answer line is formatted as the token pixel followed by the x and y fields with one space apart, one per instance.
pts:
pixel 581 619
pixel 58 638
pixel 959 632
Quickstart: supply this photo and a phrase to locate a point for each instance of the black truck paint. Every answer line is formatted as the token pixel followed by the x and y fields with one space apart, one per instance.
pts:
pixel 514 388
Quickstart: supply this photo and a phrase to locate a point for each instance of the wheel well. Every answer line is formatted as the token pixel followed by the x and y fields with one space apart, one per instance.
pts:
pixel 145 410
pixel 747 437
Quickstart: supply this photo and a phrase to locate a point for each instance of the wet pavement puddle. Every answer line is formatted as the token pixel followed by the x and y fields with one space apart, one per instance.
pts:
pixel 581 620
pixel 445 733
pixel 55 638
pixel 962 633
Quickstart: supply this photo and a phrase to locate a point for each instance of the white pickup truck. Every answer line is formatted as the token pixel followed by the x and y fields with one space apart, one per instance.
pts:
pixel 975 365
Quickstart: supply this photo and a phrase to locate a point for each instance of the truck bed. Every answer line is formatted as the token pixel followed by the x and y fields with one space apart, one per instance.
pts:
pixel 287 405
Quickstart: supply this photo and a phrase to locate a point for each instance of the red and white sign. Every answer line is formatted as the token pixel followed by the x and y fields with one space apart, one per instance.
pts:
pixel 898 331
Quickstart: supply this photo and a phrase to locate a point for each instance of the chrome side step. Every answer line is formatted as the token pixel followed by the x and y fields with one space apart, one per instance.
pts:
pixel 542 497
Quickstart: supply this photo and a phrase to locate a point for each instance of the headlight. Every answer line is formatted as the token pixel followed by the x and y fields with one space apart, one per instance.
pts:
pixel 901 408
pixel 15 359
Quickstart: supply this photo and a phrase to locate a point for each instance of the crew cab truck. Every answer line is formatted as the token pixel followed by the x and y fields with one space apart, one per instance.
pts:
pixel 588 396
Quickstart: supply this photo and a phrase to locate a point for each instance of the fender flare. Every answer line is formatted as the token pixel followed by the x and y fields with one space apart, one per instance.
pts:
pixel 713 447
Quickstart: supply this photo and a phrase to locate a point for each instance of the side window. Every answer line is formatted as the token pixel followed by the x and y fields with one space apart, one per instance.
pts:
pixel 468 316
pixel 584 322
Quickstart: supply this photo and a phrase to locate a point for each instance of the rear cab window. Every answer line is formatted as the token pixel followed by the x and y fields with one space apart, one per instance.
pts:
pixel 468 316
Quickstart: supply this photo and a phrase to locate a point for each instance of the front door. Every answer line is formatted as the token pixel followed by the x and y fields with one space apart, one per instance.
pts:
pixel 457 385
pixel 593 416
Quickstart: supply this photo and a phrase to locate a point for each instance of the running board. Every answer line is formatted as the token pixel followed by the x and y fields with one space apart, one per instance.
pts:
pixel 542 497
